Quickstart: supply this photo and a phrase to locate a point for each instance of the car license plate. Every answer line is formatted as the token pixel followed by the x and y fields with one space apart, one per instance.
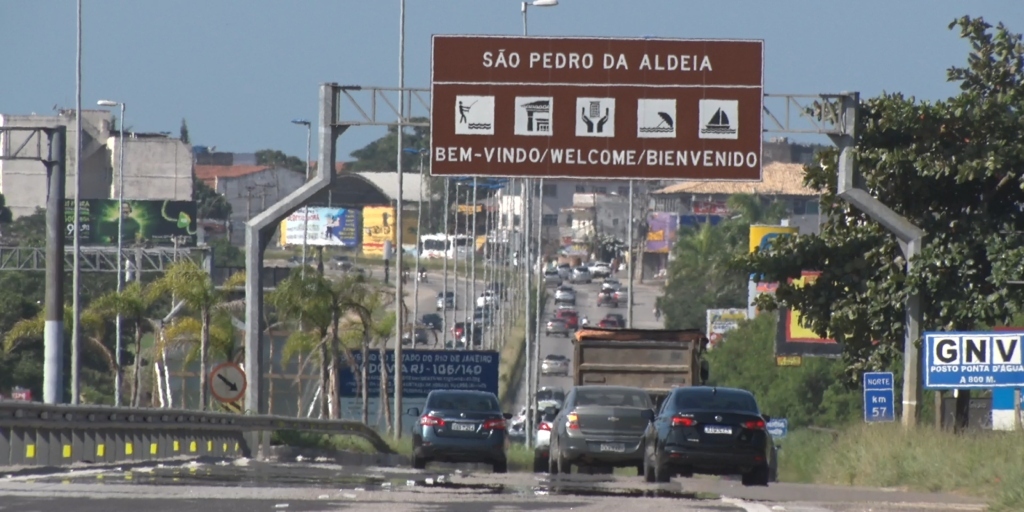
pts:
pixel 464 427
pixel 715 429
pixel 612 447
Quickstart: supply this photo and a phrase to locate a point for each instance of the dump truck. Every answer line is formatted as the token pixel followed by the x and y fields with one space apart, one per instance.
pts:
pixel 653 360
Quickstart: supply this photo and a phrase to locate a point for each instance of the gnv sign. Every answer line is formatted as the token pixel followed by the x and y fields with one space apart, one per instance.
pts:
pixel 966 360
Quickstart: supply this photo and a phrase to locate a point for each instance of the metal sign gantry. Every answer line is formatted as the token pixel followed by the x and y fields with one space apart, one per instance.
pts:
pixel 93 259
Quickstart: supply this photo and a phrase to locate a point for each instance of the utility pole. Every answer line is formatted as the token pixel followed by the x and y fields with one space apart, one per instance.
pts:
pixel 631 255
pixel 399 299
pixel 449 243
pixel 53 328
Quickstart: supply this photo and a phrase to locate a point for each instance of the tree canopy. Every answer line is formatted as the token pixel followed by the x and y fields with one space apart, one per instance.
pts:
pixel 952 167
pixel 382 154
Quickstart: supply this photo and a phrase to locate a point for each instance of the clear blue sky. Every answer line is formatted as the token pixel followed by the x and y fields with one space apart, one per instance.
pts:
pixel 240 70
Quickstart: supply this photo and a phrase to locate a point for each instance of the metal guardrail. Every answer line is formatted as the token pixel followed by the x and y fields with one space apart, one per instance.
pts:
pixel 35 434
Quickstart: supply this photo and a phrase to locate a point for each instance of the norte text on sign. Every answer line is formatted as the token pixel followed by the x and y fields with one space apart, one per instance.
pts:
pixel 597 107
pixel 879 397
pixel 964 360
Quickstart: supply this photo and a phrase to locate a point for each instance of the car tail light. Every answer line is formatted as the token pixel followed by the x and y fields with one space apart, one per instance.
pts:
pixel 572 422
pixel 544 426
pixel 754 425
pixel 431 421
pixel 498 424
pixel 683 422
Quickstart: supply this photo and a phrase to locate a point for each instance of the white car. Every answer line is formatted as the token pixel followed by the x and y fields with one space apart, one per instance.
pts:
pixel 611 284
pixel 552 278
pixel 542 439
pixel 600 269
pixel 581 274
pixel 564 270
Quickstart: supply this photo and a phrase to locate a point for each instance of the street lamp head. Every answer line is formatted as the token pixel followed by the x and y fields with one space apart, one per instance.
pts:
pixel 544 3
pixel 300 121
pixel 107 103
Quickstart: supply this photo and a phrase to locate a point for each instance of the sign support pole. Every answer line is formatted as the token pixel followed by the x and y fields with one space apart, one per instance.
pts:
pixel 1016 410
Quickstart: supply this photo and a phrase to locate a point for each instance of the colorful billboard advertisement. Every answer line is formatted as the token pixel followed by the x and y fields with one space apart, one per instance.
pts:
pixel 151 221
pixel 336 227
pixel 378 226
pixel 795 339
pixel 761 238
pixel 721 321
pixel 661 232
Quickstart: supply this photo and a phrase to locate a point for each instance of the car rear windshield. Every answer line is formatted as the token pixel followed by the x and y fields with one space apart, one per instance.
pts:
pixel 469 402
pixel 717 400
pixel 612 398
pixel 548 394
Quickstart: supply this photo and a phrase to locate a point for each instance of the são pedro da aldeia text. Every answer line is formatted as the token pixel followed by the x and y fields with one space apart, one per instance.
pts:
pixel 573 60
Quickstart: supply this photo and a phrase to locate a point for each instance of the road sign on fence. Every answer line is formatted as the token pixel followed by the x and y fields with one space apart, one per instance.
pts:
pixel 227 382
pixel 778 428
pixel 879 397
pixel 640 108
pixel 427 370
pixel 973 360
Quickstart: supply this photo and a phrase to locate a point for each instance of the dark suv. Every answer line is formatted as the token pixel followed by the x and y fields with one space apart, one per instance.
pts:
pixel 460 426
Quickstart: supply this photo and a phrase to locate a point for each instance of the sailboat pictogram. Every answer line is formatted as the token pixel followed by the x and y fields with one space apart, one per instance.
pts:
pixel 719 124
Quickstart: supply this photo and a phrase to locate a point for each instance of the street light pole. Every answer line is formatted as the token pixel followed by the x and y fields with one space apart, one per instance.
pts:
pixel 305 208
pixel 399 299
pixel 419 247
pixel 120 244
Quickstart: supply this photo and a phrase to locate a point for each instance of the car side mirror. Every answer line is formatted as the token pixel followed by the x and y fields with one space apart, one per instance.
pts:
pixel 507 415
pixel 648 415
pixel 766 417
pixel 413 411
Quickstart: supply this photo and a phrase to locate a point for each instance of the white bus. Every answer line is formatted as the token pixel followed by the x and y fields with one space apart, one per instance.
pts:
pixel 445 246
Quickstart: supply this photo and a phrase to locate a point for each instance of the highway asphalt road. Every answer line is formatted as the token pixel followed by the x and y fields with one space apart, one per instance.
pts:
pixel 248 486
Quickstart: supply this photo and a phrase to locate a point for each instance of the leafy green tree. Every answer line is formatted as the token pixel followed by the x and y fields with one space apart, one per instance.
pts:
pixel 275 158
pixel 27 230
pixel 700 277
pixel 812 394
pixel 209 203
pixel 953 168
pixel 136 305
pixel 382 154
pixel 188 282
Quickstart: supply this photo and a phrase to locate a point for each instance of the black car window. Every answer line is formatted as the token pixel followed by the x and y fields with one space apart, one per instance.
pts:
pixel 612 398
pixel 469 402
pixel 550 394
pixel 716 400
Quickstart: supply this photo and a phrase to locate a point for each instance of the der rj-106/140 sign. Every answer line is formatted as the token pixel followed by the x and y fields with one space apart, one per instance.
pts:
pixel 597 108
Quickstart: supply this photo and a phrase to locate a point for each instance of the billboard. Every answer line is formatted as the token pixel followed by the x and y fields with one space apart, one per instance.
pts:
pixel 577 107
pixel 721 321
pixel 338 227
pixel 379 226
pixel 154 221
pixel 661 232
pixel 794 339
pixel 761 237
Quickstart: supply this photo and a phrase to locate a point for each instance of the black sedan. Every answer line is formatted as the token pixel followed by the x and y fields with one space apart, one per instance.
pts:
pixel 600 427
pixel 460 426
pixel 714 431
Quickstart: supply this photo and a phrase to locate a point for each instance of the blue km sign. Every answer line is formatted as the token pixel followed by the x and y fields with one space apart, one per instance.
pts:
pixel 978 360
pixel 424 371
pixel 879 397
pixel 778 428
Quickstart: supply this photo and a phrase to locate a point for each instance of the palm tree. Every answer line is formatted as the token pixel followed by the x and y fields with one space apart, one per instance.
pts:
pixel 188 282
pixel 135 304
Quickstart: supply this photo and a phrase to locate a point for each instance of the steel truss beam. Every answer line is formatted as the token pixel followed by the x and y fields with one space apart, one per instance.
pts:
pixel 804 113
pixel 34 147
pixel 93 259
pixel 378 106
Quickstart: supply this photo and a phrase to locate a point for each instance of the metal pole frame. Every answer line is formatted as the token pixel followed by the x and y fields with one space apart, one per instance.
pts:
pixel 119 374
pixel 631 253
pixel 448 241
pixel 76 314
pixel 399 230
pixel 472 268
pixel 419 245
pixel 305 209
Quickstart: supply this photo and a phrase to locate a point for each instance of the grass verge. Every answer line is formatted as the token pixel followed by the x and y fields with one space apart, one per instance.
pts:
pixel 321 441
pixel 510 365
pixel 989 465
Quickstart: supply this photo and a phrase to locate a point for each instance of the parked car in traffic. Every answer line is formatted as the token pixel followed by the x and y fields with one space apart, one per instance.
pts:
pixel 610 284
pixel 565 295
pixel 571 317
pixel 600 427
pixel 581 274
pixel 460 426
pixel 716 431
pixel 554 364
pixel 487 299
pixel 622 294
pixel 542 439
pixel 432 320
pixel 445 300
pixel 600 269
pixel 564 270
pixel 606 298
pixel 551 277
pixel 556 327
pixel 612 321
pixel 423 336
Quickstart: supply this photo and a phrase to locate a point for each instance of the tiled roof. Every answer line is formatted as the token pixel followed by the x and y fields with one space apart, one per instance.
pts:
pixel 777 179
pixel 209 173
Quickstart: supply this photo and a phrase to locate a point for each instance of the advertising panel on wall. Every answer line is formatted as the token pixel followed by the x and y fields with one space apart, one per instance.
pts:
pixel 721 321
pixel 338 227
pixel 761 238
pixel 152 221
pixel 378 227
pixel 661 231
pixel 795 339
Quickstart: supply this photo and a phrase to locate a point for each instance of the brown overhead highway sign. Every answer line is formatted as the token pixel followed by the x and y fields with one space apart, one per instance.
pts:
pixel 597 107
